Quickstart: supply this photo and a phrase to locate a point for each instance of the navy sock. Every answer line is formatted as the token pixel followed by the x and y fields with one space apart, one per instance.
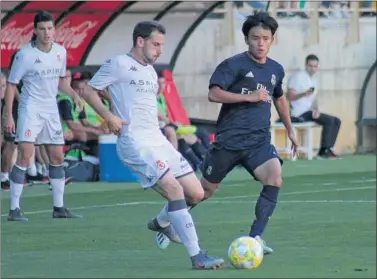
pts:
pixel 264 209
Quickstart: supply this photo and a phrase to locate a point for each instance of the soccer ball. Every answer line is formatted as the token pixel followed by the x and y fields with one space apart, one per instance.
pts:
pixel 245 253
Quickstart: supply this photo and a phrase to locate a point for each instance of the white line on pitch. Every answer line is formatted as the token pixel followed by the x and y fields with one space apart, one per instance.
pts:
pixel 217 200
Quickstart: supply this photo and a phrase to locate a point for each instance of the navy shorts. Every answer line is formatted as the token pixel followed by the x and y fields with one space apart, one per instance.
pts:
pixel 219 161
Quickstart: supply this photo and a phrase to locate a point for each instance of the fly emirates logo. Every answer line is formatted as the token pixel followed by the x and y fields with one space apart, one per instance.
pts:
pixel 246 91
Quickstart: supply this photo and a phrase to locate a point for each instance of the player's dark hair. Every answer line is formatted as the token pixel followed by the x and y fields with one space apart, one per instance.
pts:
pixel 311 57
pixel 41 16
pixel 262 19
pixel 144 29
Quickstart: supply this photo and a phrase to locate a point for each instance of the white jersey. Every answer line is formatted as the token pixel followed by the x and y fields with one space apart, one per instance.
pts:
pixel 300 82
pixel 133 89
pixel 40 72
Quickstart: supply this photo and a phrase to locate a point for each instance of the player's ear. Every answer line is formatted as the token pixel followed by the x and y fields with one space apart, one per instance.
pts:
pixel 140 42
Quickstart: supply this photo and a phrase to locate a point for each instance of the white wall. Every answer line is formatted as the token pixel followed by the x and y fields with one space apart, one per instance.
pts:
pixel 117 39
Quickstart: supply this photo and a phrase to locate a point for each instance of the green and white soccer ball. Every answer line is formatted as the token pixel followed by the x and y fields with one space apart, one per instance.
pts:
pixel 245 253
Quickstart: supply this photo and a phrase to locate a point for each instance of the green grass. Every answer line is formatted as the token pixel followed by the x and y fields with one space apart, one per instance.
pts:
pixel 324 226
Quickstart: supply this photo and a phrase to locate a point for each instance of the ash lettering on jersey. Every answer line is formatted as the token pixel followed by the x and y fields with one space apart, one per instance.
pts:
pixel 146 86
pixel 52 73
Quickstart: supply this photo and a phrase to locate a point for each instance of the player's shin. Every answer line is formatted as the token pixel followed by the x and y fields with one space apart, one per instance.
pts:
pixel 163 218
pixel 183 224
pixel 264 209
pixel 17 178
pixel 57 180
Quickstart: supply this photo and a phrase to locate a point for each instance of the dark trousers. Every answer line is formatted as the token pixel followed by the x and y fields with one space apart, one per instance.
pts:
pixel 330 127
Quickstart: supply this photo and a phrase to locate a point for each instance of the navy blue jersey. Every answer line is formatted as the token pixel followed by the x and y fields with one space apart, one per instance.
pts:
pixel 246 125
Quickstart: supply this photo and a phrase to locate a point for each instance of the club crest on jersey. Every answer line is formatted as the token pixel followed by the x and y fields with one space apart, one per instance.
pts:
pixel 160 164
pixel 59 57
pixel 273 79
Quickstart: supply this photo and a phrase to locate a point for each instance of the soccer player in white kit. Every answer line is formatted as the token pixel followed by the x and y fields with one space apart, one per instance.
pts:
pixel 133 86
pixel 41 65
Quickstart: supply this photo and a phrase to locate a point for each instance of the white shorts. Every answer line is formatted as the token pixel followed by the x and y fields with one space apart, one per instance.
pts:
pixel 152 163
pixel 39 127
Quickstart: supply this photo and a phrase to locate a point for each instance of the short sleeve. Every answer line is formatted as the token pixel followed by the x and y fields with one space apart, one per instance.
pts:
pixel 278 90
pixel 108 74
pixel 65 110
pixel 223 76
pixel 19 68
pixel 63 69
pixel 293 82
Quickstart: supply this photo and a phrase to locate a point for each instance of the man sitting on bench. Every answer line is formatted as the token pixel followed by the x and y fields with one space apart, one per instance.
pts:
pixel 302 92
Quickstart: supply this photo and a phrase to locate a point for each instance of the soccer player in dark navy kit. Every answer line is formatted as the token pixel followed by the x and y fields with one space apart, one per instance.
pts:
pixel 246 84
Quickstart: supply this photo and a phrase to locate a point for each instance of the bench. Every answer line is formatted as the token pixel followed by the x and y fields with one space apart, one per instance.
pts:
pixel 306 147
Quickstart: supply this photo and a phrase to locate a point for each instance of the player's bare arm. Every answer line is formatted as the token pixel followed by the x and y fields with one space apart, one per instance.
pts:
pixel 282 107
pixel 17 95
pixel 9 99
pixel 66 88
pixel 92 98
pixel 218 95
pixel 76 126
pixel 97 130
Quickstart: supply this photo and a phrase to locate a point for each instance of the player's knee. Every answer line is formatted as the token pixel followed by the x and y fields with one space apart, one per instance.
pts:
pixel 55 155
pixel 25 151
pixel 195 196
pixel 174 191
pixel 170 188
pixel 56 172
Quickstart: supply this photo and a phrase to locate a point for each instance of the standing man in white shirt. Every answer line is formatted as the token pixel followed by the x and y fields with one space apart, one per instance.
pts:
pixel 302 93
pixel 133 86
pixel 41 66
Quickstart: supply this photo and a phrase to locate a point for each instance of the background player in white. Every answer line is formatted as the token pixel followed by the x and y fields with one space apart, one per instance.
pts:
pixel 133 86
pixel 41 65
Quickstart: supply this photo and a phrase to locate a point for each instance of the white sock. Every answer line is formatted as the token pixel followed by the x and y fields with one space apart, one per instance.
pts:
pixel 39 168
pixel 44 170
pixel 32 170
pixel 15 194
pixel 57 191
pixel 183 224
pixel 163 217
pixel 4 176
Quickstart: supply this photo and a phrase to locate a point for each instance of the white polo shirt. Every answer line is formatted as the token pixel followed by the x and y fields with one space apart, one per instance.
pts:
pixel 299 83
